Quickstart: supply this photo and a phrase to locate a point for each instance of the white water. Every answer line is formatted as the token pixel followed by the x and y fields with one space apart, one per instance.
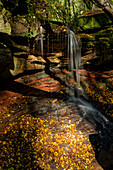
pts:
pixel 95 118
pixel 39 40
pixel 87 111
pixel 74 53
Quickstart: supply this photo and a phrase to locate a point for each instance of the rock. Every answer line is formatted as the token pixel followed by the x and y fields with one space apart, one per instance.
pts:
pixel 4 27
pixel 17 54
pixel 106 159
pixel 6 62
pixel 19 64
pixel 35 62
pixel 31 66
pixel 32 58
pixel 18 26
pixel 59 54
pixel 111 148
pixel 53 60
pixel 103 156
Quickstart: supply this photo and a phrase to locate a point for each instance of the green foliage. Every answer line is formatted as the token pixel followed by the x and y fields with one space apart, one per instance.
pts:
pixel 94 21
pixel 1 5
pixel 65 11
pixel 3 45
pixel 87 23
pixel 90 44
pixel 27 1
pixel 11 168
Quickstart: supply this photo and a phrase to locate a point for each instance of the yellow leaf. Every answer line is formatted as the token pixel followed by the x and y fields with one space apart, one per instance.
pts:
pixel 54 100
pixel 56 153
pixel 5 131
pixel 4 142
pixel 27 122
pixel 8 115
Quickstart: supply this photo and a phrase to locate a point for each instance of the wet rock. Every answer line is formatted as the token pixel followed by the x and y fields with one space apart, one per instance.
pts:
pixel 42 110
pixel 63 111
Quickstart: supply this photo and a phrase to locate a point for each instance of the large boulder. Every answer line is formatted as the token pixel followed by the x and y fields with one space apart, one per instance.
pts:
pixel 29 64
pixel 35 63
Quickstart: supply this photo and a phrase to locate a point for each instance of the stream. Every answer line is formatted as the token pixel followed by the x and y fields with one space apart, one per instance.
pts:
pixel 69 129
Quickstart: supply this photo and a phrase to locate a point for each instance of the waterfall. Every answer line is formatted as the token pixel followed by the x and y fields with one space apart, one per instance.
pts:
pixel 39 40
pixel 74 53
pixel 86 110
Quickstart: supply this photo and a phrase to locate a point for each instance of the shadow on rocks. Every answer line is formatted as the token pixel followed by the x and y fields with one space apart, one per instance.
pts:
pixel 103 151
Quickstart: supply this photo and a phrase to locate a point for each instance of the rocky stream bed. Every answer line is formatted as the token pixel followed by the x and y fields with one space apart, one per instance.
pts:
pixel 40 127
pixel 40 130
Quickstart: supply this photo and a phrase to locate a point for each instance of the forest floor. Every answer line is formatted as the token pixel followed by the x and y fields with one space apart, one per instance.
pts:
pixel 39 131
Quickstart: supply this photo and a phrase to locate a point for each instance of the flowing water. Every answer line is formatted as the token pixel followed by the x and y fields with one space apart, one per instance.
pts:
pixel 87 111
pixel 39 41
pixel 74 52
pixel 97 120
pixel 77 109
pixel 41 33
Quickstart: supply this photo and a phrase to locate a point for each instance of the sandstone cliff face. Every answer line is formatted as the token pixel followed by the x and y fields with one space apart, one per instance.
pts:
pixel 18 56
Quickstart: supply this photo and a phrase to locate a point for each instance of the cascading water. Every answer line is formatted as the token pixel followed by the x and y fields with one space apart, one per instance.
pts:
pixel 96 119
pixel 40 38
pixel 74 54
pixel 41 33
pixel 87 111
